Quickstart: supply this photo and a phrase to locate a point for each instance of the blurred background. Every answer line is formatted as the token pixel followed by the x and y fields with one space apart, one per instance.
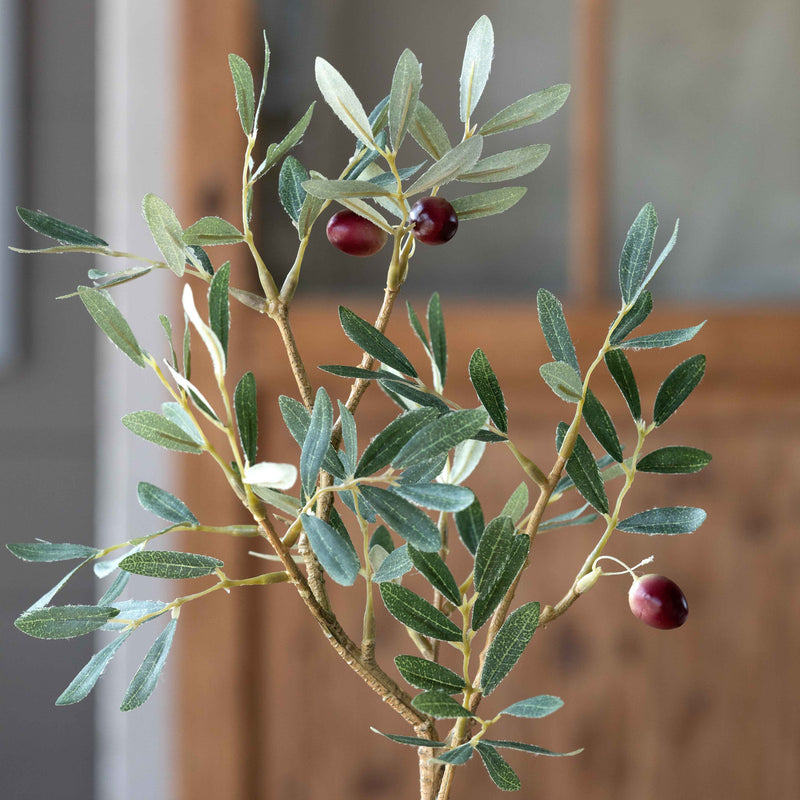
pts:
pixel 679 104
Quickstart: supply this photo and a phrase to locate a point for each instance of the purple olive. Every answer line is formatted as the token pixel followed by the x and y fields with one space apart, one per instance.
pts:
pixel 434 220
pixel 355 235
pixel 658 602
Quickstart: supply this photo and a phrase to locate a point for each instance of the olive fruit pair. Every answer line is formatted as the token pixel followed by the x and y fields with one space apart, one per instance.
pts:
pixel 658 602
pixel 433 220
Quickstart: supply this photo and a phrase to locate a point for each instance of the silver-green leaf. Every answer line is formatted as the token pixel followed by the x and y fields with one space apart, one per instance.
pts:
pixel 85 680
pixel 145 680
pixel 163 504
pixel 476 66
pixel 509 644
pixel 507 165
pixel 485 204
pixel 664 521
pixel 563 380
pixel 418 614
pixel 64 622
pixel 636 253
pixel 450 166
pixel 154 428
pixel 110 320
pixel 343 101
pixel 406 83
pixel 166 231
pixel 555 330
pixel 169 564
pixel 211 231
pixel 527 110
pixel 245 93
pixel 335 552
pixel 57 229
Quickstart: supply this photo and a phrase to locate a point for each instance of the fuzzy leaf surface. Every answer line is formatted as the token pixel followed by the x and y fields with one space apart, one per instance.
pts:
pixel 677 386
pixel 509 644
pixel 380 452
pixel 343 101
pixel 169 564
pixel 507 165
pixel 394 566
pixel 418 614
pixel 335 553
pixel 164 504
pixel 470 525
pixel 166 231
pixel 476 66
pixel 373 342
pixel 428 132
pixel 498 768
pixel 406 83
pixel 424 674
pixel 290 187
pixel 636 252
pixel 601 425
pixel 563 380
pixel 154 428
pixel 437 573
pixel 210 231
pixel 317 440
pixel 555 330
pixel 50 551
pixel 633 318
pixel 620 369
pixel 439 436
pixel 662 339
pixel 527 110
pixel 110 320
pixel 439 705
pixel 486 204
pixel 246 409
pixel 584 472
pixel 675 460
pixel 59 230
pixel 450 166
pixel 85 680
pixel 487 387
pixel 438 496
pixel 668 520
pixel 65 622
pixel 413 525
pixel 534 707
pixel 146 677
pixel 489 599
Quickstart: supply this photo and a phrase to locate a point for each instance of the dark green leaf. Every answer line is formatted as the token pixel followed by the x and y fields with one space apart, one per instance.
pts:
pixel 661 258
pixel 201 257
pixel 469 523
pixel 415 395
pixel 485 204
pixel 413 525
pixel 317 440
pixel 674 460
pixel 388 443
pixel 527 110
pixel 425 472
pixel 563 380
pixel 636 253
pixel 438 335
pixel 601 425
pixel 381 536
pixel 85 680
pixel 145 680
pixel 439 436
pixel 166 231
pixel 452 164
pixel 51 551
pixel 163 504
pixel 416 326
pixel 507 165
pixel 290 186
pixel 489 599
pixel 65 622
pixel 534 707
pixel 424 674
pixel 493 551
pixel 394 566
pixel 509 644
pixel 576 517
pixel 527 748
pixel 498 768
pixel 677 386
pixel 56 229
pixel 297 419
pixel 343 371
pixel 245 93
pixel 335 553
pixel 410 740
pixel 210 231
pixel 457 756
pixel 620 369
pixel 439 496
pixel 169 564
pixel 276 151
pixel 372 341
pixel 406 84
pixel 110 320
pixel 663 339
pixel 432 567
pixel 669 520
pixel 439 705
pixel 582 469
pixel 555 330
pixel 487 387
pixel 349 438
pixel 219 305
pixel 516 504
pixel 428 132
pixel 246 408
pixel 343 101
pixel 476 66
pixel 633 318
pixel 418 614
pixel 154 428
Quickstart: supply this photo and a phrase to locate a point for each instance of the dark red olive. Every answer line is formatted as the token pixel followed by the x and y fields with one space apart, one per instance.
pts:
pixel 658 602
pixel 355 235
pixel 434 220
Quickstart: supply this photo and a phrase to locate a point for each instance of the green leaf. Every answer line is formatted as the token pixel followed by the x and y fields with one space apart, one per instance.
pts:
pixel 166 231
pixel 432 567
pixel 440 436
pixel 290 187
pixel 663 339
pixel 338 189
pixel 110 320
pixel 438 336
pixel 349 438
pixel 65 622
pixel 245 93
pixel 636 253
pixel 516 504
pixel 344 371
pixel 507 165
pixel 669 520
pixel 276 151
pixel 42 551
pixel 470 525
pixel 210 231
pixel 450 166
pixel 56 229
pixel 457 756
pixel 415 395
pixel 317 440
pixel 246 408
pixel 677 386
pixel 582 469
pixel 492 553
pixel 132 610
pixel 485 204
pixel 498 768
pixel 394 566
pixel 632 318
pixel 175 414
pixel 312 206
pixel 415 526
pixel 418 614
pixel 297 420
pixel 163 504
pixel 169 564
pixel 85 680
pixel 620 369
pixel 219 305
pixel 439 705
pixel 264 75
pixel 661 258
pixel 286 503
pixel 417 327
pixel 373 342
pixel 424 674
pixel 388 443
pixel 601 425
pixel 381 536
pixel 534 707
pixel 674 460
pixel 489 599
pixel 487 387
pixel 343 101
pixel 528 748
pixel 410 740
pixel 438 496
pixel 406 83
pixel 563 380
pixel 476 66
pixel 555 330
pixel 201 257
pixel 335 553
pixel 428 132
pixel 509 644
pixel 575 517
pixel 527 110
pixel 145 680
pixel 154 428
